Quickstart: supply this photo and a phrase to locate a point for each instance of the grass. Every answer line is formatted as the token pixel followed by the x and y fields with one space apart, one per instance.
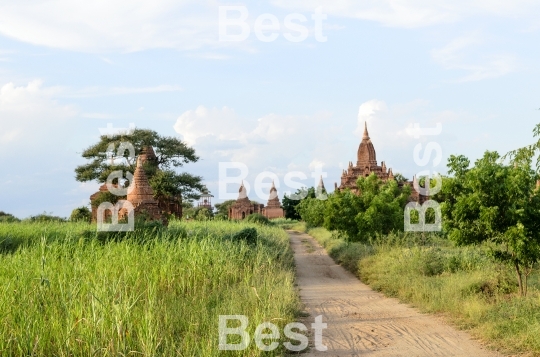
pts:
pixel 67 291
pixel 462 284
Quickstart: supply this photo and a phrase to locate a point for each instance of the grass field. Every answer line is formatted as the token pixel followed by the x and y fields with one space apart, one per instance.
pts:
pixel 463 284
pixel 69 292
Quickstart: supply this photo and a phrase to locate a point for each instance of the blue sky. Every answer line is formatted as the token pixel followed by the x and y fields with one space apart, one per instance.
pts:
pixel 70 67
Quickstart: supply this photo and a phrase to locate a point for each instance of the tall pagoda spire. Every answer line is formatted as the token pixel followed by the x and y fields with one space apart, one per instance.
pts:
pixel 140 191
pixel 321 184
pixel 366 152
pixel 242 192
pixel 273 191
pixel 366 134
pixel 273 199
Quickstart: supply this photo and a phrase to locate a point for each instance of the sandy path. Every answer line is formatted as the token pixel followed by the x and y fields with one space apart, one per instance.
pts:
pixel 362 322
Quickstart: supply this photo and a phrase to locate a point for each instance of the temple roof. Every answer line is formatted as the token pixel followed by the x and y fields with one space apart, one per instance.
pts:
pixel 321 183
pixel 366 152
pixel 273 193
pixel 242 192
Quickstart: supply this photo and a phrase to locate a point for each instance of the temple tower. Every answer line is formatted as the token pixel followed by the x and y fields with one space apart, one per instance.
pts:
pixel 366 156
pixel 140 193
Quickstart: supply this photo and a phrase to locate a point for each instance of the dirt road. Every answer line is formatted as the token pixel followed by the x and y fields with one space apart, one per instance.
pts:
pixel 362 322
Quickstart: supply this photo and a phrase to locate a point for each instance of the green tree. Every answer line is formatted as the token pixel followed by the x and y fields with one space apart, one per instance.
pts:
pixel 8 218
pixel 223 208
pixel 497 203
pixel 377 209
pixel 311 209
pixel 290 204
pixel 341 210
pixel 171 153
pixel 81 214
pixel 400 178
pixel 384 204
pixel 45 217
pixel 203 214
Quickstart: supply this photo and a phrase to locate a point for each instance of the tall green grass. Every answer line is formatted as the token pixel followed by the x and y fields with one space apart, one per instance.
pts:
pixel 67 291
pixel 461 283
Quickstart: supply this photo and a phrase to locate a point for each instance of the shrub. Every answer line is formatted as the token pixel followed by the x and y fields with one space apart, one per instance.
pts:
pixel 81 214
pixel 221 217
pixel 248 235
pixel 258 219
pixel 46 217
pixel 8 218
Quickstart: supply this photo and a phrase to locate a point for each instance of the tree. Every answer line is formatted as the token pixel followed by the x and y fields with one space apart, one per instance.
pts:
pixel 223 207
pixel 341 210
pixel 106 157
pixel 8 218
pixel 203 214
pixel 384 203
pixel 45 217
pixel 81 214
pixel 497 203
pixel 291 203
pixel 400 178
pixel 377 209
pixel 311 211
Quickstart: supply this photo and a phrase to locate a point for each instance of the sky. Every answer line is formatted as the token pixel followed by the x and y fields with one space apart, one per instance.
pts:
pixel 289 97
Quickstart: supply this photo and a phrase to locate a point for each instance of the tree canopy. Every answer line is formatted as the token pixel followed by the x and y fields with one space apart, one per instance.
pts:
pixel 378 209
pixel 497 203
pixel 111 153
pixel 291 203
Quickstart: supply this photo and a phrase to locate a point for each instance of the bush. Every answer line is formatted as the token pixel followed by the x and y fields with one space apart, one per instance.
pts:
pixel 46 217
pixel 204 214
pixel 258 219
pixel 429 262
pixel 221 217
pixel 248 235
pixel 81 214
pixel 8 218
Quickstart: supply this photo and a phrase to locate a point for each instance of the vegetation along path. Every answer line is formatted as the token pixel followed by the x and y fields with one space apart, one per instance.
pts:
pixel 361 321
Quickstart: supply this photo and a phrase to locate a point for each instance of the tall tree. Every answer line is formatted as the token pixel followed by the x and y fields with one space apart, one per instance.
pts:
pixel 383 204
pixel 291 203
pixel 110 154
pixel 497 203
pixel 223 207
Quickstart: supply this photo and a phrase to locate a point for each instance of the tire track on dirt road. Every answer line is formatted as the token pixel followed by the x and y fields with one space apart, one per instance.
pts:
pixel 363 322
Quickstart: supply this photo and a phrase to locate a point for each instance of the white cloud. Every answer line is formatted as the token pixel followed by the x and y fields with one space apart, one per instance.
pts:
pixel 413 13
pixel 284 143
pixel 273 141
pixel 223 124
pixel 459 54
pixel 367 113
pixel 90 92
pixel 103 25
pixel 28 114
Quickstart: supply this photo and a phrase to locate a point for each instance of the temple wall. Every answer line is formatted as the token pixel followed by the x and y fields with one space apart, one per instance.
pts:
pixel 272 213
